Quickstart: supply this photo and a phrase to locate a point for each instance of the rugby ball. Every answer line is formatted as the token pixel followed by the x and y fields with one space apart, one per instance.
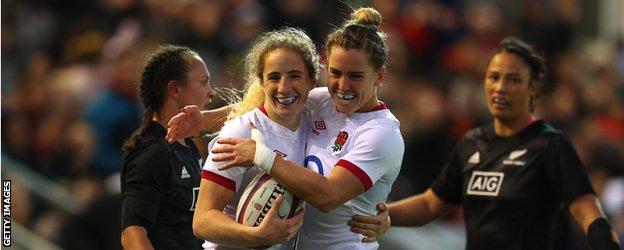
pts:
pixel 258 198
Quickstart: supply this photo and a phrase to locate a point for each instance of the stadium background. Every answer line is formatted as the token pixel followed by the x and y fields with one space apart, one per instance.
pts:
pixel 69 99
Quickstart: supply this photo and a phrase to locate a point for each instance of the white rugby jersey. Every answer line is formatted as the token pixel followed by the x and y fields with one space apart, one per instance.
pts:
pixel 369 145
pixel 286 143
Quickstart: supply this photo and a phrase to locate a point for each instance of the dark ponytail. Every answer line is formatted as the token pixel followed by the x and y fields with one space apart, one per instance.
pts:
pixel 167 63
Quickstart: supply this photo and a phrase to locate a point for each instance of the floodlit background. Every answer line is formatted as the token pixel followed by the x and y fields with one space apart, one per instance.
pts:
pixel 69 70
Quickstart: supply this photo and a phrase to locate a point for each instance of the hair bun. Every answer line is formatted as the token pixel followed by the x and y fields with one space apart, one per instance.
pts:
pixel 366 16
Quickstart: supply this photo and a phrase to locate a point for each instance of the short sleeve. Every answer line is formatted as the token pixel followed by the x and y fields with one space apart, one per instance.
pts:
pixel 376 150
pixel 144 180
pixel 230 178
pixel 565 171
pixel 449 184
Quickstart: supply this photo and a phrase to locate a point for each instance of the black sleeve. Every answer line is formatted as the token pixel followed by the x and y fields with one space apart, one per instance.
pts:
pixel 144 179
pixel 565 171
pixel 448 186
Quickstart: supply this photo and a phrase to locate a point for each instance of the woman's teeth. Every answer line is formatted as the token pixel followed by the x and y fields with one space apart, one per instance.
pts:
pixel 500 101
pixel 287 100
pixel 345 97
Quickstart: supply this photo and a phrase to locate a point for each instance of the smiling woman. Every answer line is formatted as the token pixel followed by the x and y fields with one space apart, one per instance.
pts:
pixel 349 80
pixel 286 86
pixel 282 67
pixel 511 176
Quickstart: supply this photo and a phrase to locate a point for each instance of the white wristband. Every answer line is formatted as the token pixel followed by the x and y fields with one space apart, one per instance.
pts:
pixel 264 156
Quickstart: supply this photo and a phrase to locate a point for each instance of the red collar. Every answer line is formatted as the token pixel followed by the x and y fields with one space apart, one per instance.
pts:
pixel 262 109
pixel 379 106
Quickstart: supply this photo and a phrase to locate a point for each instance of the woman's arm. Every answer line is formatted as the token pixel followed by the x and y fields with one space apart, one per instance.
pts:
pixel 345 181
pixel 135 237
pixel 143 183
pixel 210 223
pixel 418 210
pixel 324 193
pixel 191 121
pixel 587 212
pixel 213 119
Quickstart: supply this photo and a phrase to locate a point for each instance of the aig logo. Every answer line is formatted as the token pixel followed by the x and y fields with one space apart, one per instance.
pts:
pixel 485 183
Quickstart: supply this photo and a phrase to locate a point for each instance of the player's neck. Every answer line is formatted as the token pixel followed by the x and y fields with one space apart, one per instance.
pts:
pixel 291 123
pixel 509 128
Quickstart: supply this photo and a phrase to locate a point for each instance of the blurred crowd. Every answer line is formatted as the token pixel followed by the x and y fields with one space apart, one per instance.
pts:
pixel 69 70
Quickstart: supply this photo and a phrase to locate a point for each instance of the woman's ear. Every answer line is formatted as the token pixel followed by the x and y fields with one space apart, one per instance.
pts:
pixel 380 76
pixel 173 89
pixel 533 87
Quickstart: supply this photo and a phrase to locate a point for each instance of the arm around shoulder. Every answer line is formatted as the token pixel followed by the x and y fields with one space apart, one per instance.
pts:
pixel 370 158
pixel 213 119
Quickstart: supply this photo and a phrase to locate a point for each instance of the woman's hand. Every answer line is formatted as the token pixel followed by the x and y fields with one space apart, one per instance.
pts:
pixel 187 123
pixel 274 230
pixel 372 227
pixel 234 152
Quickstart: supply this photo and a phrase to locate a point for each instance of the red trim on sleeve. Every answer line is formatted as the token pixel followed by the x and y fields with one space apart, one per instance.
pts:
pixel 223 181
pixel 358 172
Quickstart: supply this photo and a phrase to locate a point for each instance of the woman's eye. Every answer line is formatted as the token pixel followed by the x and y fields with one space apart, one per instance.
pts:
pixel 273 78
pixel 356 77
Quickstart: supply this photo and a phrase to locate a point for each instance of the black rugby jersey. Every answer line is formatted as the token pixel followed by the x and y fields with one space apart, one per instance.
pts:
pixel 159 185
pixel 511 187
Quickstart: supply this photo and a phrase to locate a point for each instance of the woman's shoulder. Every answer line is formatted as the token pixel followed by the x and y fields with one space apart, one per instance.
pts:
pixel 238 127
pixel 149 146
pixel 148 155
pixel 384 128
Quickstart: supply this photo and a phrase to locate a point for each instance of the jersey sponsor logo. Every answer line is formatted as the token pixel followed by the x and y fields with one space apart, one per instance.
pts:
pixel 474 159
pixel 341 139
pixel 185 174
pixel 513 156
pixel 319 125
pixel 195 196
pixel 485 183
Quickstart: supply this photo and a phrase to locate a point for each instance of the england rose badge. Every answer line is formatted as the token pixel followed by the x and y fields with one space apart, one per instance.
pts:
pixel 341 139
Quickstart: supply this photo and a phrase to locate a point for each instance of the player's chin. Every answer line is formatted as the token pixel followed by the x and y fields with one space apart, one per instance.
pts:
pixel 345 109
pixel 504 117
